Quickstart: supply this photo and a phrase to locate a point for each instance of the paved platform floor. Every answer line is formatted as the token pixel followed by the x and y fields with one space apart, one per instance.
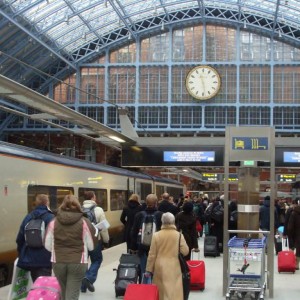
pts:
pixel 287 286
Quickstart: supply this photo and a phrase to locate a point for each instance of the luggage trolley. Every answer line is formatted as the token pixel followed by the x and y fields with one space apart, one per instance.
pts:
pixel 246 268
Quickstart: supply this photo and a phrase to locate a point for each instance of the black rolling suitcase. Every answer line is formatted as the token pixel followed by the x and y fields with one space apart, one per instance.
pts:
pixel 278 243
pixel 211 246
pixel 128 272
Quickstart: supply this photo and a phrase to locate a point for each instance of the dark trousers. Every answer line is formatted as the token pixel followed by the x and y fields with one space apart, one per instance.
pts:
pixel 37 272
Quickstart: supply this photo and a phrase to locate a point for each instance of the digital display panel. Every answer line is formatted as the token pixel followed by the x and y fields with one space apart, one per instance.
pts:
pixel 286 177
pixel 172 156
pixel 189 156
pixel 287 157
pixel 291 157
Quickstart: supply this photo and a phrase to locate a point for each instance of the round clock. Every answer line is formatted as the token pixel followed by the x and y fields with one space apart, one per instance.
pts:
pixel 203 82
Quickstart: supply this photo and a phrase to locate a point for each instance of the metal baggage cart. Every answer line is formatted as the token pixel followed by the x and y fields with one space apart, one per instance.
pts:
pixel 246 268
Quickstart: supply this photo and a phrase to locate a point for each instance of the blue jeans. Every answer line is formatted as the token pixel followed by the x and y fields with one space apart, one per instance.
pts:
pixel 96 260
pixel 143 262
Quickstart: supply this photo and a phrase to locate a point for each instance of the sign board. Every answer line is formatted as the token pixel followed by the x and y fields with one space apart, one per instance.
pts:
pixel 249 143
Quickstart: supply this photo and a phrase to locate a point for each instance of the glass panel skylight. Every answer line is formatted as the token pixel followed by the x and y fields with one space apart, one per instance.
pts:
pixel 73 23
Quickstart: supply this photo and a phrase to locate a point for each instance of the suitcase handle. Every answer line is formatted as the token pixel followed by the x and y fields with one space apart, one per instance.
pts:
pixel 192 254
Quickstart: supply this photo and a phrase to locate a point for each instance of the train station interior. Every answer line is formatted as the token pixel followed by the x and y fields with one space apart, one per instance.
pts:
pixel 162 87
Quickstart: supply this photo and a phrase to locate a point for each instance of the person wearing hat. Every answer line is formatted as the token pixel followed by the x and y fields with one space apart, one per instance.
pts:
pixel 186 223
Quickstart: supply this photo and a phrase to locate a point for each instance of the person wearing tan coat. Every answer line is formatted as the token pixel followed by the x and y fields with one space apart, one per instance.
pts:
pixel 163 260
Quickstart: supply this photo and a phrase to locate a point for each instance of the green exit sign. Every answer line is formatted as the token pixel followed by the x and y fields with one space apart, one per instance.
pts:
pixel 249 163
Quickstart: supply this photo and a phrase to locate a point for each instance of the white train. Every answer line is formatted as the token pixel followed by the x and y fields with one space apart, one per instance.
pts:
pixel 26 172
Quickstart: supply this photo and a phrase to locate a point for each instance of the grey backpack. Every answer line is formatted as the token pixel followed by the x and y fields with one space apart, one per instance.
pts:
pixel 35 232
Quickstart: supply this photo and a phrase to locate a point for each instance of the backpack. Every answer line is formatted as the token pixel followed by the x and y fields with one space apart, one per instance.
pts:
pixel 35 232
pixel 148 228
pixel 217 213
pixel 89 212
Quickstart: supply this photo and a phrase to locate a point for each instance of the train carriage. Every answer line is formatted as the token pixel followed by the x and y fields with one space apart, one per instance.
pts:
pixel 26 172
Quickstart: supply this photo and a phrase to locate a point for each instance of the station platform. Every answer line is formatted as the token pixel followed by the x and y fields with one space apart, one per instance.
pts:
pixel 286 285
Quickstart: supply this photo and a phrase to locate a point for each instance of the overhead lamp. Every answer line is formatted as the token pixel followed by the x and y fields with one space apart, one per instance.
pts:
pixel 84 36
pixel 105 3
pixel 97 49
pixel 162 26
pixel 245 25
pixel 279 33
pixel 286 2
pixel 115 138
pixel 129 36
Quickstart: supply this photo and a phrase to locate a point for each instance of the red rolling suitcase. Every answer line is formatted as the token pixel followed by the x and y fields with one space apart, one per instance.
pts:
pixel 197 272
pixel 286 259
pixel 141 291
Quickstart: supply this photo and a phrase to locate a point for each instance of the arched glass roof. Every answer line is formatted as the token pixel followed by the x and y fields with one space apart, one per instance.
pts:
pixel 72 31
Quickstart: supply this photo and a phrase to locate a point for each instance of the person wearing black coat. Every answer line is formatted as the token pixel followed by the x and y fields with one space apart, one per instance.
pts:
pixel 35 260
pixel 294 231
pixel 127 217
pixel 186 223
pixel 136 246
pixel 166 206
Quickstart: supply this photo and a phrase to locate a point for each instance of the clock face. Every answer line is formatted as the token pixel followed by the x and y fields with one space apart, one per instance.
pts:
pixel 203 82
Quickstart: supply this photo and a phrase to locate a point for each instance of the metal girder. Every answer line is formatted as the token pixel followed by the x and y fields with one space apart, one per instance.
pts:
pixel 13 90
pixel 83 20
pixel 10 19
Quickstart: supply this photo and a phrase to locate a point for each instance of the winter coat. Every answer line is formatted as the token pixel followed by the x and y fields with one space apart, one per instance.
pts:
pixel 294 228
pixel 69 237
pixel 33 257
pixel 264 216
pixel 186 222
pixel 163 262
pixel 100 216
pixel 127 218
pixel 165 206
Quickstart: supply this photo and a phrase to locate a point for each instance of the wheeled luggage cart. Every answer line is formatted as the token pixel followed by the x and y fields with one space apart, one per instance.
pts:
pixel 246 268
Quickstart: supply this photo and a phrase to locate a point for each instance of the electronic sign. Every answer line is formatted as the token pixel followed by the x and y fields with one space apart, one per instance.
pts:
pixel 291 157
pixel 189 156
pixel 211 177
pixel 286 177
pixel 287 157
pixel 172 156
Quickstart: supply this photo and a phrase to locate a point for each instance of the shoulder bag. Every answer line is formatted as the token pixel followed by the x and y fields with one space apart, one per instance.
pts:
pixel 185 273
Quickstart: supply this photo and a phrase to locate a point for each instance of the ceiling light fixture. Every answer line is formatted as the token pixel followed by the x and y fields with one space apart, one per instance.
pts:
pixel 115 138
pixel 245 25
pixel 105 3
pixel 162 26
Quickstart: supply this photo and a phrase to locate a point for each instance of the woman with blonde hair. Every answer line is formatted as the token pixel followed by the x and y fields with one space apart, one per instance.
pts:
pixel 163 260
pixel 69 237
pixel 127 217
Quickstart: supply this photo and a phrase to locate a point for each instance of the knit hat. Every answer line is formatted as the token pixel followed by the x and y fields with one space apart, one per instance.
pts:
pixel 188 207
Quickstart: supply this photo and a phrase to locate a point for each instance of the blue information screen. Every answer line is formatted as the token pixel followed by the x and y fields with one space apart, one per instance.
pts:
pixel 249 143
pixel 189 156
pixel 291 157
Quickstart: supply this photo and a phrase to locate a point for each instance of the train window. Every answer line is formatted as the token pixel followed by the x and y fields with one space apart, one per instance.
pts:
pixel 56 195
pixel 118 199
pixel 159 190
pixel 144 189
pixel 101 196
pixel 175 192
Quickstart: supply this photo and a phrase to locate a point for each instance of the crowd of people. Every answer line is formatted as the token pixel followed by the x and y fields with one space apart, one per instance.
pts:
pixel 73 247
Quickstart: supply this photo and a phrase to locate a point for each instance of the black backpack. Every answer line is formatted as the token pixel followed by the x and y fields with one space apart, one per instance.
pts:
pixel 35 232
pixel 89 212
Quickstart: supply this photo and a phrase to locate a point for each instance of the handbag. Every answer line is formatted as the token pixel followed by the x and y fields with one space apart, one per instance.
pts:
pixel 198 226
pixel 186 277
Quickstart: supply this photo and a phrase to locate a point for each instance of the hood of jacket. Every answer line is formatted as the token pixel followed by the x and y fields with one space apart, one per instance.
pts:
pixel 40 210
pixel 68 217
pixel 89 203
pixel 267 203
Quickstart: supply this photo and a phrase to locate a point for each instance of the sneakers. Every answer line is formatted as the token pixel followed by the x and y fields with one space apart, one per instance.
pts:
pixel 88 284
